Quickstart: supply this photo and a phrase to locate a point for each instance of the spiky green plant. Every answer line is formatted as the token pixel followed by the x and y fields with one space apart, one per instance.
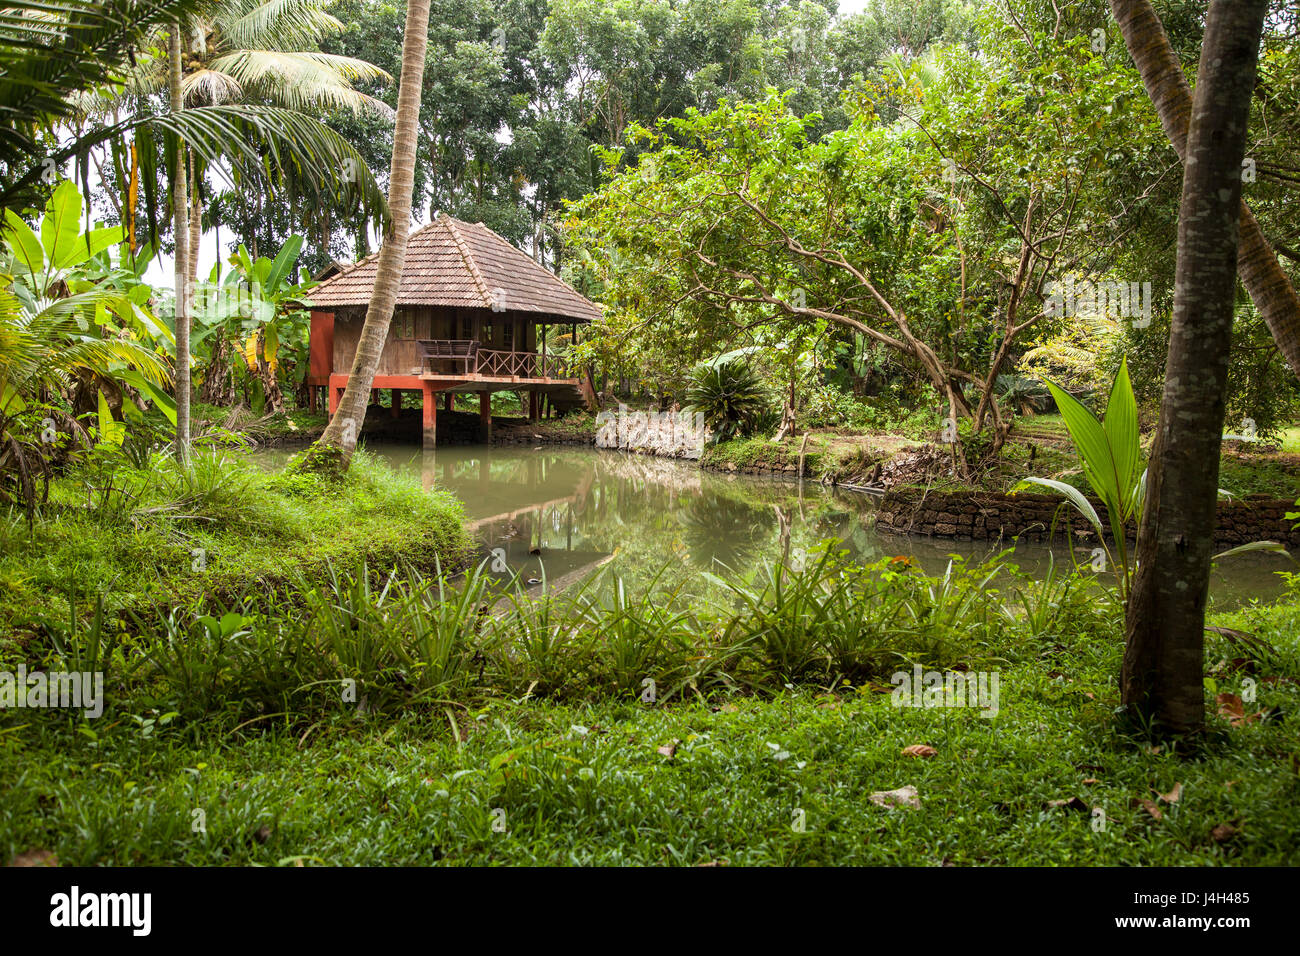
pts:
pixel 730 395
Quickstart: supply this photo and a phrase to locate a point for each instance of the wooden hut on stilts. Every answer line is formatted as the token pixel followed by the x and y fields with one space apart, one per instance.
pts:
pixel 473 315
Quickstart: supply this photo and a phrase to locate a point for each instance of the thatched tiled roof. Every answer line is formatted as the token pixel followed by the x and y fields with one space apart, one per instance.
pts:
pixel 463 265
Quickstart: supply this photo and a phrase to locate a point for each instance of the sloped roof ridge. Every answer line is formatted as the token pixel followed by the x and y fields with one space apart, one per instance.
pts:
pixel 488 298
pixel 559 283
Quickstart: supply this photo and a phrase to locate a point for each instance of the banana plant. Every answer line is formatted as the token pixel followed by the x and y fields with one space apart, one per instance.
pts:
pixel 71 313
pixel 259 299
pixel 1110 455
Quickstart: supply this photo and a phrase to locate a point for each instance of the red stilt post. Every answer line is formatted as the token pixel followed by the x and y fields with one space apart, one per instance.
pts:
pixel 485 417
pixel 430 418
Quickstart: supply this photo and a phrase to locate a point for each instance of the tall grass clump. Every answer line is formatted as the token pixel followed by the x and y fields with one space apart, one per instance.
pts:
pixel 359 640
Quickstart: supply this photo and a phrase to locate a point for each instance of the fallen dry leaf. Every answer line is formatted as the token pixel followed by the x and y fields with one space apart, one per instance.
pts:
pixel 713 863
pixel 1088 780
pixel 1230 706
pixel 902 797
pixel 919 750
pixel 1150 806
pixel 1224 832
pixel 1233 710
pixel 1174 795
pixel 1074 803
pixel 669 749
pixel 35 858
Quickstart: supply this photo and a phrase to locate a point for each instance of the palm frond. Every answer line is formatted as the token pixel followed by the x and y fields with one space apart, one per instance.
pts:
pixel 279 147
pixel 260 23
pixel 251 147
pixel 210 86
pixel 53 49
pixel 303 80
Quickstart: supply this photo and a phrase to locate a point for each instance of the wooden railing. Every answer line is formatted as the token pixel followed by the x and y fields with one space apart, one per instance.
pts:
pixel 506 364
pixel 464 356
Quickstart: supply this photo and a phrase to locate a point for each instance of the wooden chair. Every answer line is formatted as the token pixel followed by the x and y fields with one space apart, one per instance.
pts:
pixel 437 354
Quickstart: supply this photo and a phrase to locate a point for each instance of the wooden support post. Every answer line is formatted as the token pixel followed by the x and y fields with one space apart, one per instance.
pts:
pixel 449 400
pixel 430 408
pixel 396 410
pixel 485 417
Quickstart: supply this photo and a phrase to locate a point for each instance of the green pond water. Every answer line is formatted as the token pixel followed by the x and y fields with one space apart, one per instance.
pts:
pixel 561 512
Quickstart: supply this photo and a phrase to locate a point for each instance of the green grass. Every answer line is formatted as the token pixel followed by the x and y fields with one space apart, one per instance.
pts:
pixel 587 783
pixel 159 536
pixel 763 452
pixel 1259 474
pixel 592 774
pixel 572 426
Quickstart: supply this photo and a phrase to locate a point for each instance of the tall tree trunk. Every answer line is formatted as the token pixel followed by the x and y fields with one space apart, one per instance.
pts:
pixel 1257 263
pixel 345 426
pixel 195 217
pixel 1163 658
pixel 181 265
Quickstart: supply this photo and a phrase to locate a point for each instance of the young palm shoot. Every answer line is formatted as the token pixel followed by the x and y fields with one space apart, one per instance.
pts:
pixel 1110 456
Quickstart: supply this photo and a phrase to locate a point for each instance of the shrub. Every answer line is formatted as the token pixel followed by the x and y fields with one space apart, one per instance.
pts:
pixel 730 395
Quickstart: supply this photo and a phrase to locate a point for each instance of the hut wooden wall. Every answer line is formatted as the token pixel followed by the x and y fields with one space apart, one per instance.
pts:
pixel 401 354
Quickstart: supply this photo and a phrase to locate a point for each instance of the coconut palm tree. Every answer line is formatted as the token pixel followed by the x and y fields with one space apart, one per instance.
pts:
pixel 259 52
pixel 1257 263
pixel 58 55
pixel 335 446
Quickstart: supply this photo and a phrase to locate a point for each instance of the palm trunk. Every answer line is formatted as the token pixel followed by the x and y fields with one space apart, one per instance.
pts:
pixel 1257 263
pixel 1162 680
pixel 196 219
pixel 345 426
pixel 181 265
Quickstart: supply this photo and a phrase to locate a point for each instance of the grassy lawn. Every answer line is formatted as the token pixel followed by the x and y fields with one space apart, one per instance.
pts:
pixel 293 711
pixel 157 535
pixel 686 783
pixel 740 763
pixel 1039 446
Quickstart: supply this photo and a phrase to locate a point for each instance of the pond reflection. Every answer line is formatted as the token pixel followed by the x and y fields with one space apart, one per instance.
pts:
pixel 561 512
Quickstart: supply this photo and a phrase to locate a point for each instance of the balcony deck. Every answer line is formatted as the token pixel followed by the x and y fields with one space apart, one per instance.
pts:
pixel 463 360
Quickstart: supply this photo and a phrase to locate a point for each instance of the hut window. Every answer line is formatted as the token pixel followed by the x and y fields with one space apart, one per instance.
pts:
pixel 466 327
pixel 404 326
